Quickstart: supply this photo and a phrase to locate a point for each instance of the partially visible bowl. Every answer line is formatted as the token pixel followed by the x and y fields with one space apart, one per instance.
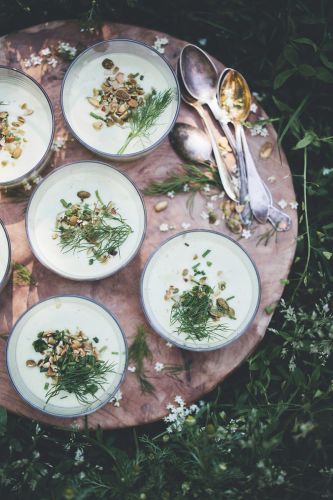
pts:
pixel 5 256
pixel 222 261
pixel 59 313
pixel 86 73
pixel 63 184
pixel 31 122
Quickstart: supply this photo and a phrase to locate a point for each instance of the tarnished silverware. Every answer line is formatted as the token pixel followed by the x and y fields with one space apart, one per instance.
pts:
pixel 226 180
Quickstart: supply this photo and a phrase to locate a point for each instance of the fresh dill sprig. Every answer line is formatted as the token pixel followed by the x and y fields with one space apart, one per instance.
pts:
pixel 191 178
pixel 191 314
pixel 22 276
pixel 145 116
pixel 82 376
pixel 84 227
pixel 137 353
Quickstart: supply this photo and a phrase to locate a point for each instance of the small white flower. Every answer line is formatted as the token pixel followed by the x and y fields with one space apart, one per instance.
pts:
pixel 171 194
pixel 158 367
pixel 204 215
pixel 202 41
pixel 132 369
pixel 327 171
pixel 253 107
pixel 27 186
pixel 217 222
pixel 45 52
pixel 246 233
pixel 37 179
pixel 164 227
pixel 326 308
pixel 271 179
pixel 282 203
pixel 293 205
pixel 171 407
pixel 52 62
pixel 206 188
pixel 214 197
pixel 185 225
pixel 168 344
pixel 58 143
pixel 79 456
pixel 159 42
pixel 186 188
pixel 210 205
pixel 264 132
pixel 179 400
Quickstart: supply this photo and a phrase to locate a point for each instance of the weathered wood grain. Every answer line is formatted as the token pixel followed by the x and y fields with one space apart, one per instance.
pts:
pixel 121 292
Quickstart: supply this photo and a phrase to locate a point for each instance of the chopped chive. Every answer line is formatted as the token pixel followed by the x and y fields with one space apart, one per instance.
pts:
pixel 209 263
pixel 206 253
pixel 229 298
pixel 96 339
pixel 187 244
pixel 196 266
pixel 114 352
pixel 46 386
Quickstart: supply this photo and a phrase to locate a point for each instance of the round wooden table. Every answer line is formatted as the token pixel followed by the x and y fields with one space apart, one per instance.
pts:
pixel 120 293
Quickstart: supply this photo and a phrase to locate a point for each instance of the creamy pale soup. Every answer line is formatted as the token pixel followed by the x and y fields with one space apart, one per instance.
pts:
pixel 37 128
pixel 4 254
pixel 61 313
pixel 225 262
pixel 90 75
pixel 65 183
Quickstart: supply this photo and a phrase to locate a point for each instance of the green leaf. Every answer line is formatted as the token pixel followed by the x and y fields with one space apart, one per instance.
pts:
pixel 282 106
pixel 327 255
pixel 306 41
pixel 3 421
pixel 291 55
pixel 306 70
pixel 281 78
pixel 310 137
pixel 325 61
pixel 324 75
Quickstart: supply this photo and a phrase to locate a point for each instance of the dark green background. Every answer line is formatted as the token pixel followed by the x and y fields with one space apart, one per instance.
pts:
pixel 267 431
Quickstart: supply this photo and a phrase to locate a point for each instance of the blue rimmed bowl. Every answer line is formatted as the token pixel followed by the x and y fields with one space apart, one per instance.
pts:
pixel 58 313
pixel 22 96
pixel 86 73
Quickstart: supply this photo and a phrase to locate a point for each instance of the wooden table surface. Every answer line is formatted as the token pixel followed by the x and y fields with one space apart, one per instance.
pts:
pixel 120 293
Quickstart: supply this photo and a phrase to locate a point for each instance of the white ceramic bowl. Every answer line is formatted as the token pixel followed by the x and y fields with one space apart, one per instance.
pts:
pixel 86 72
pixel 63 312
pixel 5 256
pixel 65 182
pixel 17 88
pixel 165 266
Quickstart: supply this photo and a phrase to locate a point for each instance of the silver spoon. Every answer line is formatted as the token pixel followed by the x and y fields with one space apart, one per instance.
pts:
pixel 228 186
pixel 204 86
pixel 235 98
pixel 193 145
pixel 200 78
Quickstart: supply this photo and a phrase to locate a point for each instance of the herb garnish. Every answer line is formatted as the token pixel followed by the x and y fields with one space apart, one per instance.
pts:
pixel 85 227
pixel 72 362
pixel 22 276
pixel 191 313
pixel 138 351
pixel 144 117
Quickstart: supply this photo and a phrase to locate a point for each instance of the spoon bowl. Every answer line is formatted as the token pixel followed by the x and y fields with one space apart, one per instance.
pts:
pixel 191 143
pixel 234 95
pixel 198 73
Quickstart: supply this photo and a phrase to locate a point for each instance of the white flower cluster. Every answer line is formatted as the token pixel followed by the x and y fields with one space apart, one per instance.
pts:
pixel 259 129
pixel 159 44
pixel 65 47
pixel 177 414
pixel 44 57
